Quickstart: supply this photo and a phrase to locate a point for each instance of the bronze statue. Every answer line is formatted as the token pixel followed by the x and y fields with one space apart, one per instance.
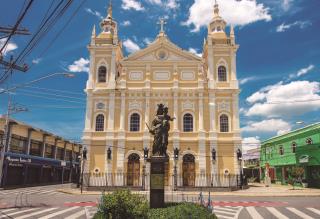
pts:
pixel 160 129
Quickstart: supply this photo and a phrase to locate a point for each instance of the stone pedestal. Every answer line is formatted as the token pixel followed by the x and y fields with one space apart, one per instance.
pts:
pixel 157 181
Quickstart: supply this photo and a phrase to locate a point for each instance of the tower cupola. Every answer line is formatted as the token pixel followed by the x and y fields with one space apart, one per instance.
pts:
pixel 217 25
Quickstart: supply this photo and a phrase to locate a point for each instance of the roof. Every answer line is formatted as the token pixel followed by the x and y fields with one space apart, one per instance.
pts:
pixel 37 129
pixel 293 133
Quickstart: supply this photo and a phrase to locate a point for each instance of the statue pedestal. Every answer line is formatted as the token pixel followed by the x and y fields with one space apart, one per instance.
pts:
pixel 157 181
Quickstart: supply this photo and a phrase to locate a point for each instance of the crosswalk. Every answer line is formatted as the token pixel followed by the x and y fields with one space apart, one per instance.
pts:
pixel 30 191
pixel 240 212
pixel 49 213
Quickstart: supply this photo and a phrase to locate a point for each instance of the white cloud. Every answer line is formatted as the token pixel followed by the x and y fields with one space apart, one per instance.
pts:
pixel 126 23
pixel 301 24
pixel 195 52
pixel 95 13
pixel 80 65
pixel 170 4
pixel 246 80
pixel 250 143
pixel 286 4
pixel 131 46
pixel 9 47
pixel 302 72
pixel 36 61
pixel 267 126
pixel 132 4
pixel 294 98
pixel 234 12
pixel 147 40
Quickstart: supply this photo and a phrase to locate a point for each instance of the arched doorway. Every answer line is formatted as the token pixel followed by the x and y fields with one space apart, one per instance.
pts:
pixel 133 170
pixel 188 168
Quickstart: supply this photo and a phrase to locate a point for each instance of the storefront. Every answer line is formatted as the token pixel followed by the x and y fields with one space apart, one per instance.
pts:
pixel 25 170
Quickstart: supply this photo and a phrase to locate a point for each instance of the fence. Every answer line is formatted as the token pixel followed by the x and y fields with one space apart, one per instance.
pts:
pixel 186 181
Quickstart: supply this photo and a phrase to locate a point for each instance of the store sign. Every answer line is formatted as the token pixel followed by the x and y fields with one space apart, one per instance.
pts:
pixel 19 160
pixel 304 159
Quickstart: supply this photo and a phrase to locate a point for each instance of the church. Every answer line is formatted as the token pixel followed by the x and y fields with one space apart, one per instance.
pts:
pixel 201 93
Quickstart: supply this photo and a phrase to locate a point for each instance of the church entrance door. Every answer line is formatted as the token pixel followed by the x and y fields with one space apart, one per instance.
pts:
pixel 188 168
pixel 133 173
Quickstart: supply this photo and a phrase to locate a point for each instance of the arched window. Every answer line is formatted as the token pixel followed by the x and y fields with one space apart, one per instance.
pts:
pixel 100 123
pixel 102 74
pixel 133 170
pixel 188 170
pixel 281 150
pixel 188 123
pixel 294 147
pixel 135 122
pixel 222 73
pixel 224 123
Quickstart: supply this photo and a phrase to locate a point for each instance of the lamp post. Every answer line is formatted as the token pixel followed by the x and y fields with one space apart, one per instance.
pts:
pixel 239 156
pixel 84 158
pixel 176 157
pixel 145 156
pixel 5 141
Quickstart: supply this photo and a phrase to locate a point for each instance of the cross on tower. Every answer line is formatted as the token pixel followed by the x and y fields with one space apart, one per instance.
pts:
pixel 162 22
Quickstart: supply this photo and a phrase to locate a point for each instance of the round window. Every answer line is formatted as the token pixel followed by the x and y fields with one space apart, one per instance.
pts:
pixel 162 54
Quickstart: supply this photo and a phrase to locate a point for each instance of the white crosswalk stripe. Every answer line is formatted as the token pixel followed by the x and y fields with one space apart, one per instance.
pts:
pixel 226 212
pixel 75 212
pixel 316 211
pixel 58 213
pixel 276 213
pixel 253 213
pixel 299 213
pixel 29 192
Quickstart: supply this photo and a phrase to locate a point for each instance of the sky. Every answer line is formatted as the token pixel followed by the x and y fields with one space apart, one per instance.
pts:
pixel 277 62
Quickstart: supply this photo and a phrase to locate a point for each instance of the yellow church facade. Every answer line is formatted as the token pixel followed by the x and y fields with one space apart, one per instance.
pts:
pixel 200 92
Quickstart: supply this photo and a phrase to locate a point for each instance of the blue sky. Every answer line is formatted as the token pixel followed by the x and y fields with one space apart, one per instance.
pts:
pixel 277 63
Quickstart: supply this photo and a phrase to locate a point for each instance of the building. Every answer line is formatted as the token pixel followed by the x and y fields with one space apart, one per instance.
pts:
pixel 297 148
pixel 37 157
pixel 201 93
pixel 251 165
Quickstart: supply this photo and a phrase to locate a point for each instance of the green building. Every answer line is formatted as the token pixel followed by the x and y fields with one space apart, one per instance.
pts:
pixel 297 148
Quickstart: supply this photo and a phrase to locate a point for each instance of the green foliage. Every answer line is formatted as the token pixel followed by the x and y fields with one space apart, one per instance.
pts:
pixel 181 211
pixel 122 204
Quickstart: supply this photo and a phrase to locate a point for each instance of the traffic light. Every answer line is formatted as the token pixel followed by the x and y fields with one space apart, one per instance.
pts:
pixel 109 153
pixel 176 153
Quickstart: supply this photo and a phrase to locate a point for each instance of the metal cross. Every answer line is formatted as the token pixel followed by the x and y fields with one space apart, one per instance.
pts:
pixel 162 22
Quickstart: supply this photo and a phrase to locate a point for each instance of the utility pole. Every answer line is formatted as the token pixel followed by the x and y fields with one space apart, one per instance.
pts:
pixel 9 30
pixel 12 65
pixel 4 144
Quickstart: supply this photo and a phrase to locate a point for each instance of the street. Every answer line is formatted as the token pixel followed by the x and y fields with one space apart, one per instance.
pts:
pixel 47 202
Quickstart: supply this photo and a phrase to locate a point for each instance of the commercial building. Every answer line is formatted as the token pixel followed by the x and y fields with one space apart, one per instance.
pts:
pixel 37 157
pixel 251 165
pixel 297 148
pixel 200 92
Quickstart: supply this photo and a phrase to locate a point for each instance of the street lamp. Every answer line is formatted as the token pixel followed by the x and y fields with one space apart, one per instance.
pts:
pixel 84 158
pixel 175 173
pixel 239 156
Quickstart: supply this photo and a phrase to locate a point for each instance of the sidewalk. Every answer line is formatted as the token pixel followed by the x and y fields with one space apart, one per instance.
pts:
pixel 255 190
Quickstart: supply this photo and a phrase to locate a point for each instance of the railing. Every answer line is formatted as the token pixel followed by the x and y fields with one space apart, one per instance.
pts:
pixel 172 182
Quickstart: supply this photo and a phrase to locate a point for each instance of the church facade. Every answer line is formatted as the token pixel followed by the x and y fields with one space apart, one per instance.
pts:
pixel 200 92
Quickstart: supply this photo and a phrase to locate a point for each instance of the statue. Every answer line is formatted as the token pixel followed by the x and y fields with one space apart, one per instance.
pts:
pixel 160 129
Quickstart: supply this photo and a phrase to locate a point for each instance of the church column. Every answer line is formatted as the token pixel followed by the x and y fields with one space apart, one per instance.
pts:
pixel 211 66
pixel 202 145
pixel 89 107
pixel 147 111
pixel 236 123
pixel 233 57
pixel 110 137
pixel 175 112
pixel 112 79
pixel 175 137
pixel 213 139
pixel 121 142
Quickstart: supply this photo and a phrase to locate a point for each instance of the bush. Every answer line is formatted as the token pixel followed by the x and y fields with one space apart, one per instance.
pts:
pixel 181 211
pixel 122 204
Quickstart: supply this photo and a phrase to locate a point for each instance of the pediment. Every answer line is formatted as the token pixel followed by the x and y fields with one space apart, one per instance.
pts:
pixel 162 49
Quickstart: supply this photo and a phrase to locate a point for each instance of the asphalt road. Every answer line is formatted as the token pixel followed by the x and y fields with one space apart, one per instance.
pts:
pixel 46 202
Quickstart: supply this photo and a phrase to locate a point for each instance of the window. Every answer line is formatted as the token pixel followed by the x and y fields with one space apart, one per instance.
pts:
pixel 222 73
pixel 35 148
pixel 18 144
pixel 294 147
pixel 309 141
pixel 102 74
pixel 281 150
pixel 100 123
pixel 135 122
pixel 224 123
pixel 188 123
pixel 60 153
pixel 49 151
